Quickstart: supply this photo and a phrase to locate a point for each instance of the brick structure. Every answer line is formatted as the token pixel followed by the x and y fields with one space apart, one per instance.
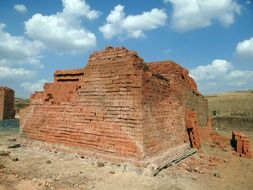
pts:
pixel 241 144
pixel 118 107
pixel 6 103
pixel 183 85
pixel 195 105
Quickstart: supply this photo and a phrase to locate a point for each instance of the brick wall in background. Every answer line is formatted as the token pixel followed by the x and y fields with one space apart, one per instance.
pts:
pixel 6 103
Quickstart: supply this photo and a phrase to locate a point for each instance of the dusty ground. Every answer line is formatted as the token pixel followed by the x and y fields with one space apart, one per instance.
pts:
pixel 32 167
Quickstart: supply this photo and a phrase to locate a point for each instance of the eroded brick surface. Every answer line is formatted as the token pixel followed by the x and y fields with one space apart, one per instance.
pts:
pixel 6 103
pixel 117 106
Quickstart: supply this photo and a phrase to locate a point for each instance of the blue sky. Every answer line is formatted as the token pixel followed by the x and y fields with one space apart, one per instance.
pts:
pixel 212 39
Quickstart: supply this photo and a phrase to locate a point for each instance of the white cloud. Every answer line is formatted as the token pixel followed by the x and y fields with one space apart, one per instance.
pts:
pixel 220 76
pixel 33 86
pixel 245 48
pixel 63 31
pixel 15 73
pixel 76 8
pixel 216 69
pixel 192 14
pixel 17 49
pixel 239 78
pixel 20 8
pixel 131 26
pixel 17 54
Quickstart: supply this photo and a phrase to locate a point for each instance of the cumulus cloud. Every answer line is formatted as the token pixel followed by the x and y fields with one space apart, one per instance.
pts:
pixel 63 31
pixel 33 86
pixel 17 49
pixel 131 26
pixel 14 73
pixel 239 78
pixel 16 55
pixel 76 8
pixel 220 75
pixel 192 14
pixel 20 8
pixel 245 48
pixel 217 68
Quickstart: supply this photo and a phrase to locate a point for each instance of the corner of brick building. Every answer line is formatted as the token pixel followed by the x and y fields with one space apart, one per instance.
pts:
pixel 195 106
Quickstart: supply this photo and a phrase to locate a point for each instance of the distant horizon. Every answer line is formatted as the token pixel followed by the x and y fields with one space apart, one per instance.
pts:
pixel 214 41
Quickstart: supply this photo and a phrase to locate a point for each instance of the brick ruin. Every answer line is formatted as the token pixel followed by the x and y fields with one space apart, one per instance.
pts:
pixel 119 108
pixel 6 103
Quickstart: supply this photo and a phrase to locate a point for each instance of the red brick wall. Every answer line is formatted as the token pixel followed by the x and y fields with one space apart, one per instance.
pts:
pixel 73 125
pixel 163 115
pixel 197 103
pixel 174 72
pixel 60 93
pixel 183 85
pixel 110 90
pixel 74 75
pixel 6 103
pixel 105 117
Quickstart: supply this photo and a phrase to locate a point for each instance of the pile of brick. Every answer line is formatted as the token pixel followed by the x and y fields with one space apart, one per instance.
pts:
pixel 241 144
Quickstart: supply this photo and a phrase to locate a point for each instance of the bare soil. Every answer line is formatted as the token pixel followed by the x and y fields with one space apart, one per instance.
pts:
pixel 33 167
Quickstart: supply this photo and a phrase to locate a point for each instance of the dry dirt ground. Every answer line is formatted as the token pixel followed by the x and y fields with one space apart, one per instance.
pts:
pixel 32 167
